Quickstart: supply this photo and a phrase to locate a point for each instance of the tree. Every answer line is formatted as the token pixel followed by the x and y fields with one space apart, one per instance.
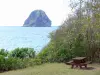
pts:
pixel 79 35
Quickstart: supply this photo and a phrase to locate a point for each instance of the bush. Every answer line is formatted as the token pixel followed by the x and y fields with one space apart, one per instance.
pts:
pixel 32 62
pixel 17 59
pixel 22 53
pixel 37 61
pixel 3 52
pixel 2 64
pixel 11 63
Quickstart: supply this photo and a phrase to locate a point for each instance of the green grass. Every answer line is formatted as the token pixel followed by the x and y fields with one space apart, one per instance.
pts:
pixel 54 69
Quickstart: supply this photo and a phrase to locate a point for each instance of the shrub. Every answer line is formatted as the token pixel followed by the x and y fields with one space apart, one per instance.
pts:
pixel 22 53
pixel 17 59
pixel 3 52
pixel 11 63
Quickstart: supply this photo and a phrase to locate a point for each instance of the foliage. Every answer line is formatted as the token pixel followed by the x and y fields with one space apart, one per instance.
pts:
pixel 23 53
pixel 79 35
pixel 17 59
pixel 10 63
pixel 3 52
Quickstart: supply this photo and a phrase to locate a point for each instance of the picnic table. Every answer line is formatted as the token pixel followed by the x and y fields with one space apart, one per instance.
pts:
pixel 79 62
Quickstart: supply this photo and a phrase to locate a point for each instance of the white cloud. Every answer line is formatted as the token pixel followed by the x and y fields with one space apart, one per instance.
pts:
pixel 14 12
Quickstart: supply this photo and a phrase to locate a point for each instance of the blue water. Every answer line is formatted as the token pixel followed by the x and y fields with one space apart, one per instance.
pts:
pixel 12 37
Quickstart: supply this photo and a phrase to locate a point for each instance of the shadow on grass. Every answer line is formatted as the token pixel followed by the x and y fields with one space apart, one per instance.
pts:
pixel 84 68
pixel 88 68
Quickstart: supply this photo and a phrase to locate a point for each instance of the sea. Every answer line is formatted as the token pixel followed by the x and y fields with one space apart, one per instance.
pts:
pixel 12 37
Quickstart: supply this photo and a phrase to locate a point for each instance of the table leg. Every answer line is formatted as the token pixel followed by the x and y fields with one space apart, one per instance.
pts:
pixel 80 66
pixel 72 66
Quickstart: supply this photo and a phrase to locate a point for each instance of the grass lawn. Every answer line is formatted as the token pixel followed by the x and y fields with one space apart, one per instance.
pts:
pixel 54 69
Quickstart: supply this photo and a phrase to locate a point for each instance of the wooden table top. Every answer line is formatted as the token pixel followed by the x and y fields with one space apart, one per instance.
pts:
pixel 79 58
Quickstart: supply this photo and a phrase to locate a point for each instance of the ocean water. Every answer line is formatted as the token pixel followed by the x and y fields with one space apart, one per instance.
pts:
pixel 12 37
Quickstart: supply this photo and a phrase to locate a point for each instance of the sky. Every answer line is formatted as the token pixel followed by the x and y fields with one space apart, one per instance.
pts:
pixel 15 12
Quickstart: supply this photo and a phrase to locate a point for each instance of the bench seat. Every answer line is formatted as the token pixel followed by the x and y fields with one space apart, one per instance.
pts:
pixel 80 65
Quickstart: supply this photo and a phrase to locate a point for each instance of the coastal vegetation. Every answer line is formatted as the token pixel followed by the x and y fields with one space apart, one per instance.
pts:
pixel 79 35
pixel 17 59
